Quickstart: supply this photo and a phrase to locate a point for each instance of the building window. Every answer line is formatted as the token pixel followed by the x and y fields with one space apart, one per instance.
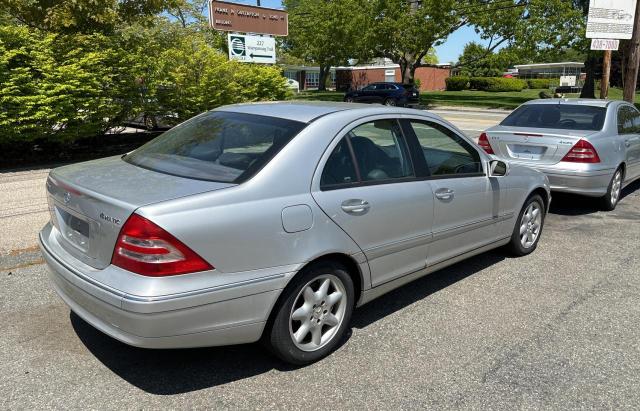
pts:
pixel 291 75
pixel 312 79
pixel 333 79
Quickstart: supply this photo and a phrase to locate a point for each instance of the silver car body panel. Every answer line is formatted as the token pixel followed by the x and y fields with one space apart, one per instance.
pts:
pixel 547 147
pixel 259 234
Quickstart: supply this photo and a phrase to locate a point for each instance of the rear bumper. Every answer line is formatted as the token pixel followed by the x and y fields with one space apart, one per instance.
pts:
pixel 204 319
pixel 587 183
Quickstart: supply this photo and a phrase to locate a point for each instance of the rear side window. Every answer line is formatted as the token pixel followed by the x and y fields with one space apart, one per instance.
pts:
pixel 628 120
pixel 381 154
pixel 558 116
pixel 217 146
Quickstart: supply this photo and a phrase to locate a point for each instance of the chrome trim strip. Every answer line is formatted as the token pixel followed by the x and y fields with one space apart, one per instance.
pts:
pixel 390 248
pixel 404 244
pixel 379 290
pixel 135 298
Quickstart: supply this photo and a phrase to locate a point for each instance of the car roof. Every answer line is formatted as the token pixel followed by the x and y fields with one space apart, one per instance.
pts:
pixel 571 101
pixel 307 111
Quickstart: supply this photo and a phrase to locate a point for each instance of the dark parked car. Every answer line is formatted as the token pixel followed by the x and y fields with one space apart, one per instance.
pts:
pixel 390 94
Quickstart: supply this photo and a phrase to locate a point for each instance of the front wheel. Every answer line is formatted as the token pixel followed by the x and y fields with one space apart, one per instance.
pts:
pixel 528 229
pixel 313 315
pixel 610 200
pixel 390 102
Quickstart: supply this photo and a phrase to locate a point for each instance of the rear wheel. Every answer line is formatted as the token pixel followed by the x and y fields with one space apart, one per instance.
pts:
pixel 528 229
pixel 610 200
pixel 349 100
pixel 313 315
pixel 390 102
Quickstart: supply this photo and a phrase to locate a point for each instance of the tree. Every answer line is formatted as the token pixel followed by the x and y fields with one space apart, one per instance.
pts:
pixel 405 30
pixel 80 16
pixel 326 33
pixel 475 61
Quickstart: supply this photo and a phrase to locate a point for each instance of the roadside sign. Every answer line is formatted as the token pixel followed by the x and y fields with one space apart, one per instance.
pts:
pixel 224 16
pixel 611 19
pixel 252 49
pixel 605 44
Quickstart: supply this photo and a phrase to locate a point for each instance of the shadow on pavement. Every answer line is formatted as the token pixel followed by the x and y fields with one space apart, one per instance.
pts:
pixel 573 205
pixel 167 372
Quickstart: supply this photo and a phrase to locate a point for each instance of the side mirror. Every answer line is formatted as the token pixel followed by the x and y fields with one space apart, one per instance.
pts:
pixel 498 168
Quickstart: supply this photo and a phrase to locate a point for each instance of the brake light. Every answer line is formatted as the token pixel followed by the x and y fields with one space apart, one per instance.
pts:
pixel 483 142
pixel 582 152
pixel 146 249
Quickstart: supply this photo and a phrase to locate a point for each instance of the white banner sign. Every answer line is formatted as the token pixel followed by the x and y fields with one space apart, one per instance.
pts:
pixel 611 19
pixel 604 44
pixel 252 49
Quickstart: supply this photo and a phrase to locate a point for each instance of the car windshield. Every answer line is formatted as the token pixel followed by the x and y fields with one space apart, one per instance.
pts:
pixel 217 146
pixel 558 116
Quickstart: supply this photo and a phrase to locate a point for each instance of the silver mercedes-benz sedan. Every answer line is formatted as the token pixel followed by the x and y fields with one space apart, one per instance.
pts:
pixel 274 221
pixel 588 147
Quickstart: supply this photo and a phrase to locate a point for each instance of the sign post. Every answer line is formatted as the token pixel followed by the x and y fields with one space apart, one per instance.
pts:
pixel 609 21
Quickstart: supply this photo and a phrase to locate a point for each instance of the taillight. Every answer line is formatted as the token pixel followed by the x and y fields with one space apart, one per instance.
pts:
pixel 582 152
pixel 146 249
pixel 483 142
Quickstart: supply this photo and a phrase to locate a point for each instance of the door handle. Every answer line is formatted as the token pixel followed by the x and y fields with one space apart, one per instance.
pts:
pixel 445 194
pixel 355 206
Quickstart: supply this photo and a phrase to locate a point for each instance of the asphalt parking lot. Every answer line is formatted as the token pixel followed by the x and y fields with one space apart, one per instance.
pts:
pixel 557 329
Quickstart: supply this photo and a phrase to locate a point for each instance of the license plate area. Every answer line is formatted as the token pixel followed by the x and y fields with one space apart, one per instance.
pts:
pixel 74 229
pixel 526 152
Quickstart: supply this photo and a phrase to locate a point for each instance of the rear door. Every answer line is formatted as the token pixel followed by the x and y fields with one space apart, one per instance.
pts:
pixel 369 188
pixel 629 131
pixel 467 203
pixel 543 134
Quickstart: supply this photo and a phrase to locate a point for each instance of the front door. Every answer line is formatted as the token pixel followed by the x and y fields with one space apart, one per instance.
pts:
pixel 467 202
pixel 368 188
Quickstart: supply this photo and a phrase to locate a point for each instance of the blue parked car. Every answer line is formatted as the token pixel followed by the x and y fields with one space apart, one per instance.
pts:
pixel 389 94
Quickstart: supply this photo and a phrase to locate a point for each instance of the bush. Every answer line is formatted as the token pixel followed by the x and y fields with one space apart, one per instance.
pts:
pixel 538 83
pixel 494 84
pixel 60 87
pixel 457 83
pixel 63 87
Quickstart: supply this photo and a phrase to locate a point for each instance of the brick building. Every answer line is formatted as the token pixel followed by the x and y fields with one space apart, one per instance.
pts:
pixel 431 77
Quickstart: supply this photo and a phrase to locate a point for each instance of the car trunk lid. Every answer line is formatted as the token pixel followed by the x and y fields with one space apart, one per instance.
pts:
pixel 89 202
pixel 533 146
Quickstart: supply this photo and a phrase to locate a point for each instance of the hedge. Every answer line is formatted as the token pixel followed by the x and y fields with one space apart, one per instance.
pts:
pixel 457 83
pixel 64 87
pixel 538 83
pixel 496 84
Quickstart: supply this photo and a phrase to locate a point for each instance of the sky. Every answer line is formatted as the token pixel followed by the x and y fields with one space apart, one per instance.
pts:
pixel 448 52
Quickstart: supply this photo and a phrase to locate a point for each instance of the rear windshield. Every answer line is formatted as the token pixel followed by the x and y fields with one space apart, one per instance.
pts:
pixel 217 146
pixel 559 116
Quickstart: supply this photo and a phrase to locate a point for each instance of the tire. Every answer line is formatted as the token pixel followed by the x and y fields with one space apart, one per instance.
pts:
pixel 290 316
pixel 528 229
pixel 349 100
pixel 611 199
pixel 390 102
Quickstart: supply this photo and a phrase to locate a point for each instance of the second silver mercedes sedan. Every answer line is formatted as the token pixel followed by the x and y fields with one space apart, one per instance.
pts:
pixel 587 147
pixel 274 221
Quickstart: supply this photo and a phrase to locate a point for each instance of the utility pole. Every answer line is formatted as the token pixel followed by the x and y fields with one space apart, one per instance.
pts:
pixel 606 72
pixel 631 76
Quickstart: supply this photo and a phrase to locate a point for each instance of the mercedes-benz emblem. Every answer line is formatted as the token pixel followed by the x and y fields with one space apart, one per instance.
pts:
pixel 67 197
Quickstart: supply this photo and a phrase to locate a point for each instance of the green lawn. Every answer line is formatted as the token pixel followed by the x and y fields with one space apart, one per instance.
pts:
pixel 468 98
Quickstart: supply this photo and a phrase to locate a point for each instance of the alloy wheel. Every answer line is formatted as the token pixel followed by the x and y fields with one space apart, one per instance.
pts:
pixel 616 187
pixel 318 312
pixel 530 225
